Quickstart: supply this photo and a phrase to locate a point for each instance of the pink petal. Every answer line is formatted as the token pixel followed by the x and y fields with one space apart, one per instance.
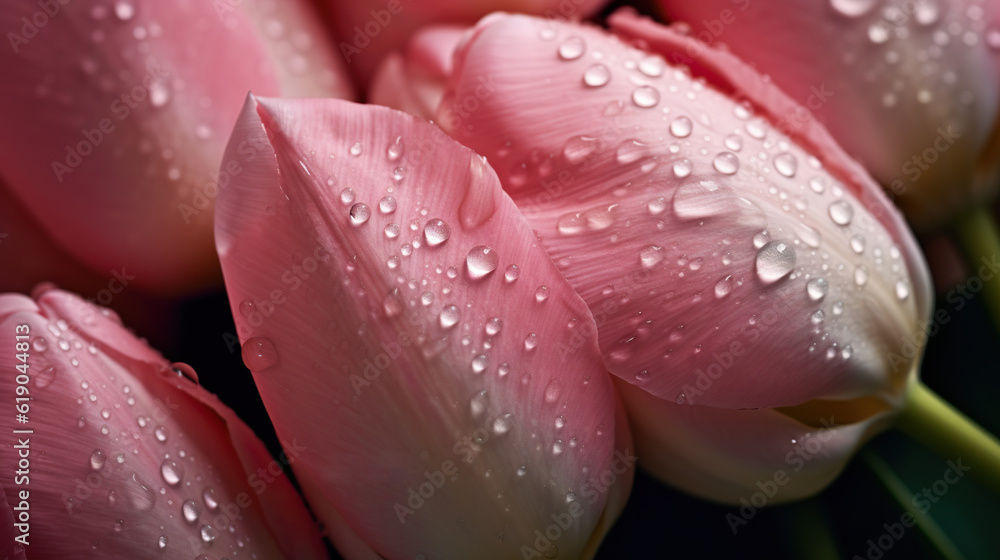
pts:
pixel 733 455
pixel 899 81
pixel 414 81
pixel 121 443
pixel 116 115
pixel 724 254
pixel 388 338
pixel 370 29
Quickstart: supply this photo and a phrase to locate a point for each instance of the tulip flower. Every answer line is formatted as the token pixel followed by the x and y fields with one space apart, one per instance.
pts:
pixel 369 30
pixel 116 117
pixel 111 453
pixel 401 320
pixel 766 304
pixel 912 89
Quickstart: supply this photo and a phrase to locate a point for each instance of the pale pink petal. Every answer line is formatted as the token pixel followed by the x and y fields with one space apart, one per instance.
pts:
pixel 911 90
pixel 370 263
pixel 369 29
pixel 706 243
pixel 414 80
pixel 762 457
pixel 128 459
pixel 116 117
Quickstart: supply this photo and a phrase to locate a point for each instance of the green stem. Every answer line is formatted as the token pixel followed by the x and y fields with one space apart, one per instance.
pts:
pixel 980 241
pixel 904 497
pixel 940 427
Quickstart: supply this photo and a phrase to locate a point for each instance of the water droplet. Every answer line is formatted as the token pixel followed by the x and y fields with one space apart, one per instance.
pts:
pixel 436 232
pixel 726 163
pixel 530 342
pixel 493 326
pixel 160 433
pixel 504 369
pixel 579 148
pixel 703 199
pixel 861 275
pixel 479 363
pixel 630 151
pixel 478 403
pixel 878 33
pixel 40 344
pixel 552 391
pixel 387 205
pixel 208 533
pixel 395 150
pixel 756 128
pixel 347 195
pixel 426 298
pixel 259 354
pixel 733 142
pixel 512 273
pixel 724 286
pixel 902 290
pixel 681 127
pixel 481 260
pixel 682 168
pixel 557 447
pixel 858 244
pixel 542 294
pixel 392 304
pixel 775 260
pixel 355 149
pixel 191 511
pixel 657 205
pixel 522 470
pixel 208 496
pixel 786 164
pixel 645 96
pixel 572 48
pixel 852 8
pixel 841 212
pixel 97 459
pixel 144 498
pixel 817 317
pixel 651 256
pixel 817 288
pixel 808 235
pixel 926 12
pixel 597 75
pixel 161 543
pixel 449 316
pixel 652 66
pixel 391 231
pixel 360 213
pixel 503 423
pixel 172 472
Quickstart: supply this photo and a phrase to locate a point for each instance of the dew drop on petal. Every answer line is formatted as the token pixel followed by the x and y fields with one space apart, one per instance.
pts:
pixel 853 8
pixel 841 212
pixel 391 231
pixel 552 391
pixel 481 261
pixel 597 75
pixel 682 168
pixel 861 275
pixel 817 317
pixel 191 511
pixel 858 243
pixel 387 205
pixel 259 354
pixel 172 472
pixel 436 232
pixel 786 164
pixel 775 260
pixel 360 213
pixel 355 149
pixel 572 48
pixel 681 127
pixel 656 205
pixel 724 286
pixel 208 533
pixel 651 256
pixel 817 288
pixel 512 273
pixel 645 96
pixel 449 316
pixel 542 294
pixel 726 163
pixel 902 290
pixel 97 459
pixel 530 342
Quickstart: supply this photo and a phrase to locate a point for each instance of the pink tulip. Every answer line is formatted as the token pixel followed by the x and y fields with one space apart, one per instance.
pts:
pixel 753 289
pixel 370 29
pixel 115 118
pixel 113 454
pixel 400 320
pixel 911 89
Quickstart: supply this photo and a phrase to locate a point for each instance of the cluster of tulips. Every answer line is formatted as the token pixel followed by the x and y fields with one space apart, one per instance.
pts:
pixel 550 248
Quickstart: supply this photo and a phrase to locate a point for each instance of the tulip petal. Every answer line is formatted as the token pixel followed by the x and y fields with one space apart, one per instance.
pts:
pixel 408 306
pixel 729 455
pixel 127 458
pixel 116 117
pixel 732 244
pixel 912 89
